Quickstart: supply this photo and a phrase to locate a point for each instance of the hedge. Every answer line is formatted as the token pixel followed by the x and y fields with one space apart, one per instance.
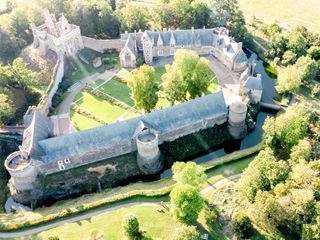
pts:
pixel 10 226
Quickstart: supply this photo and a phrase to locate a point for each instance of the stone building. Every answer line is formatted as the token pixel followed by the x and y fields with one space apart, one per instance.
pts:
pixel 59 36
pixel 214 41
pixel 54 167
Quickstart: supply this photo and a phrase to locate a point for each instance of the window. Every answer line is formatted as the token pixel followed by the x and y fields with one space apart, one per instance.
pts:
pixel 160 52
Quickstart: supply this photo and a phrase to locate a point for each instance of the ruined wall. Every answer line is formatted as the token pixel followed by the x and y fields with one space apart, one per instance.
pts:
pixel 58 74
pixel 101 45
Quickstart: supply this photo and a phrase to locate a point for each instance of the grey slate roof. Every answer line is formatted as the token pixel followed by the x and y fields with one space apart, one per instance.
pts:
pixel 163 121
pixel 253 83
pixel 241 57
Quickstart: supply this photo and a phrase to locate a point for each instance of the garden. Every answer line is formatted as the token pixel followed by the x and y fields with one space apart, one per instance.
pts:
pixel 108 101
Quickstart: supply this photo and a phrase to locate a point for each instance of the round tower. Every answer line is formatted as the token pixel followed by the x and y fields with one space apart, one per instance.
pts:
pixel 148 153
pixel 23 173
pixel 147 48
pixel 237 120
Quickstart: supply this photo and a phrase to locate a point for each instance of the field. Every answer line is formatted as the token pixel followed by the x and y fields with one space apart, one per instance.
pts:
pixel 105 102
pixel 289 13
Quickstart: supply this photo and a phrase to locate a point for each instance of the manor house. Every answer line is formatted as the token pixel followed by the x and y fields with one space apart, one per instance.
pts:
pixel 214 41
pixel 59 36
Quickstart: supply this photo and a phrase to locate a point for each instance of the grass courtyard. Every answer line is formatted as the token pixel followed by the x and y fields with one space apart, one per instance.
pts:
pixel 105 102
pixel 289 13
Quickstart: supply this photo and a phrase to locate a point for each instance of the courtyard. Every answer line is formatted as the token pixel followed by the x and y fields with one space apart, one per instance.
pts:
pixel 108 101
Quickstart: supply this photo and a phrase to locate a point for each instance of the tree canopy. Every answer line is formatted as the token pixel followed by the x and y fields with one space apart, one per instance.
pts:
pixel 144 88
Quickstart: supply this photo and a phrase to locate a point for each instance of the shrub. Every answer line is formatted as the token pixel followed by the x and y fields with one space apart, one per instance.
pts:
pixel 211 216
pixel 242 225
pixel 140 61
pixel 186 233
pixel 130 225
pixel 53 238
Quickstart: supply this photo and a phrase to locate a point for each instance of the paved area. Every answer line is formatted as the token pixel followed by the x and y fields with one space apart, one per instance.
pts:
pixel 228 81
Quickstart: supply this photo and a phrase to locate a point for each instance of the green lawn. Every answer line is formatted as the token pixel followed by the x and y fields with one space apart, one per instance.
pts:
pixel 81 122
pixel 101 108
pixel 289 13
pixel 155 224
pixel 118 90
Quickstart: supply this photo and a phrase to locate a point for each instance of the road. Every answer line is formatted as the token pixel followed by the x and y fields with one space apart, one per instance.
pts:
pixel 35 230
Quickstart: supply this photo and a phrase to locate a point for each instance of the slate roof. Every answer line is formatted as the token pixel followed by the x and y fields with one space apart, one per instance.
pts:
pixel 39 128
pixel 163 121
pixel 254 83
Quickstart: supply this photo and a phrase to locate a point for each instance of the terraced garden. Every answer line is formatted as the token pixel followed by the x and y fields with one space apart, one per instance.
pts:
pixel 104 102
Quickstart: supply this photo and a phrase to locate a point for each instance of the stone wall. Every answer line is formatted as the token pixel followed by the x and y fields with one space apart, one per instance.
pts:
pixel 101 45
pixel 57 77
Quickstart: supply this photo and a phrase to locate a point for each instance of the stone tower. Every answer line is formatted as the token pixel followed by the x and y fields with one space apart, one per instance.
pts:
pixel 148 153
pixel 147 47
pixel 237 120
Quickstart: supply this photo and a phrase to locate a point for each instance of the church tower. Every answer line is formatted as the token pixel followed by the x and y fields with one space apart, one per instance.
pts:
pixel 147 47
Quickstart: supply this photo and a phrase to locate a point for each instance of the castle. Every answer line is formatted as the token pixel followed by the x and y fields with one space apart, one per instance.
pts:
pixel 59 36
pixel 49 166
pixel 214 41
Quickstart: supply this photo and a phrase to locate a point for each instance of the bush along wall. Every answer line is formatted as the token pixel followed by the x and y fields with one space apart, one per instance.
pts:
pixel 194 143
pixel 251 118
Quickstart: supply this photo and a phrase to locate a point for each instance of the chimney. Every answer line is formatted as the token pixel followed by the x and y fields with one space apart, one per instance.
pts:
pixel 126 32
pixel 164 29
pixel 259 75
pixel 204 27
pixel 239 46
pixel 192 29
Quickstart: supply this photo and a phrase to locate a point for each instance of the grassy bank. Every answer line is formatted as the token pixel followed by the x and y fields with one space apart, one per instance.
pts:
pixel 232 164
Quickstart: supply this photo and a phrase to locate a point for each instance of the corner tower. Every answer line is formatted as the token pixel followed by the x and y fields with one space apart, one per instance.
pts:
pixel 148 153
pixel 237 120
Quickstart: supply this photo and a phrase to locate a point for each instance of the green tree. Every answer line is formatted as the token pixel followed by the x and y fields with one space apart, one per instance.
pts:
pixel 242 225
pixel 297 43
pixel 144 88
pixel 200 14
pixel 263 174
pixel 130 225
pixel 289 80
pixel 223 11
pixel 301 152
pixel 308 68
pixel 9 48
pixel 185 232
pixel 274 28
pixel 189 173
pixel 174 87
pixel 133 18
pixel 289 57
pixel 19 25
pixel 285 131
pixel 311 231
pixel 186 203
pixel 6 107
pixel 314 52
pixel 200 79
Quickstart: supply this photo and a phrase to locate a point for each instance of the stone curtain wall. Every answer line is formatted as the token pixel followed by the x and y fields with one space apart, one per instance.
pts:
pixel 101 45
pixel 58 74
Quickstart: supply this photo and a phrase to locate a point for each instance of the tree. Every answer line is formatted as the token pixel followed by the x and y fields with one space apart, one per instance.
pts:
pixel 186 203
pixel 285 131
pixel 185 232
pixel 242 225
pixel 188 173
pixel 278 46
pixel 174 87
pixel 200 14
pixel 274 28
pixel 297 43
pixel 289 80
pixel 314 52
pixel 9 48
pixel 301 152
pixel 130 225
pixel 223 11
pixel 308 68
pixel 200 79
pixel 133 18
pixel 289 57
pixel 263 174
pixel 6 107
pixel 188 74
pixel 144 88
pixel 19 25
pixel 19 74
